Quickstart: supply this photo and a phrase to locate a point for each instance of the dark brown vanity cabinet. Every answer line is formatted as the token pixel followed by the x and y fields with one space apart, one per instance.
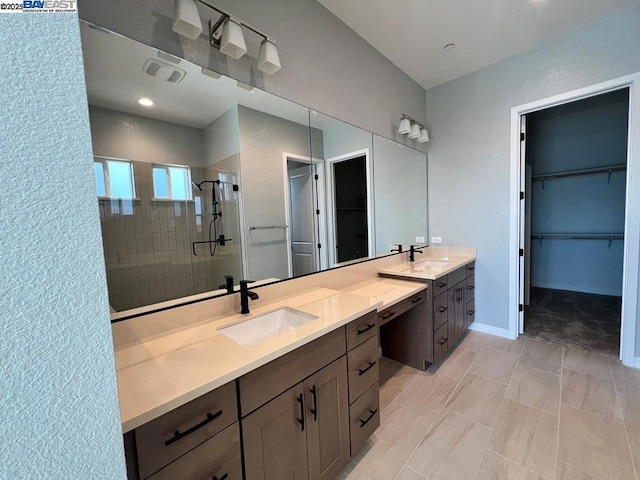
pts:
pixel 297 411
pixel 200 439
pixel 453 308
pixel 300 416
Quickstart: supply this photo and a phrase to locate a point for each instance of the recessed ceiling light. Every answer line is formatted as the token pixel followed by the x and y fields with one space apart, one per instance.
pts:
pixel 147 102
pixel 449 46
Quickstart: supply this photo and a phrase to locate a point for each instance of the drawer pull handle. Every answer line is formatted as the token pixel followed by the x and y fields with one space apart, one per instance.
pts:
pixel 442 341
pixel 314 410
pixel 388 315
pixel 368 419
pixel 177 435
pixel 301 419
pixel 470 287
pixel 362 371
pixel 366 329
pixel 416 300
pixel 471 267
pixel 442 309
pixel 442 285
pixel 223 477
pixel 470 313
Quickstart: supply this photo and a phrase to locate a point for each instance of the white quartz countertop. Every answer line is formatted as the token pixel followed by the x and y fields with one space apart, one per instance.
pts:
pixel 166 371
pixel 432 264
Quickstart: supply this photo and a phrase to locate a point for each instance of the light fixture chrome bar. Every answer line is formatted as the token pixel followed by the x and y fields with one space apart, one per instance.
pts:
pixel 226 15
pixel 404 115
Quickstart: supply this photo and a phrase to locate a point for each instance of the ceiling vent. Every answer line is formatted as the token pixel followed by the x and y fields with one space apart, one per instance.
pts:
pixel 163 71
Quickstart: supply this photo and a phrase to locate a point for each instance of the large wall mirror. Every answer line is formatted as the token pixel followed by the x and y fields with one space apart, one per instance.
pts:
pixel 200 177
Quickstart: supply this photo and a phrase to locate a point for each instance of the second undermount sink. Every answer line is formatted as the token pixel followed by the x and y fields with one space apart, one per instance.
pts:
pixel 260 328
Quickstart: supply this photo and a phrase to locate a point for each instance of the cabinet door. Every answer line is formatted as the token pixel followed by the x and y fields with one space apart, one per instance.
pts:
pixel 275 438
pixel 327 403
pixel 456 317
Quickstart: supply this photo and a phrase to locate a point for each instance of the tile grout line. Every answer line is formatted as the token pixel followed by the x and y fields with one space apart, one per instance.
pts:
pixel 500 411
pixel 624 424
pixel 556 460
pixel 438 415
pixel 516 463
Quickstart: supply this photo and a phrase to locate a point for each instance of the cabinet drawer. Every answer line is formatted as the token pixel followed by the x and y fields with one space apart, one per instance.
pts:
pixel 440 342
pixel 215 458
pixel 164 439
pixel 456 276
pixel 471 286
pixel 364 417
pixel 399 308
pixel 361 329
pixel 470 268
pixel 264 383
pixel 470 312
pixel 362 368
pixel 440 285
pixel 440 307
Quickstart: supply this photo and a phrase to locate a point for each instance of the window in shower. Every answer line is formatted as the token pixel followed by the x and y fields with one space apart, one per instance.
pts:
pixel 114 178
pixel 171 182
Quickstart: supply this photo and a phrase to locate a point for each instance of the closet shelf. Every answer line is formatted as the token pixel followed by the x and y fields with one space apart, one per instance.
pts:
pixel 575 173
pixel 578 236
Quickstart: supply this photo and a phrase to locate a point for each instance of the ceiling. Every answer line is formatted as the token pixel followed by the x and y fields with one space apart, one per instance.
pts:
pixel 115 80
pixel 412 33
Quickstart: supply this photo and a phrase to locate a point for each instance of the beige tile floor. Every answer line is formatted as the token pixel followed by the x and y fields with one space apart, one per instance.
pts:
pixel 501 409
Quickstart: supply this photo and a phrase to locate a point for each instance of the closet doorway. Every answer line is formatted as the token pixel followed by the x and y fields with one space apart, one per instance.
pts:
pixel 575 192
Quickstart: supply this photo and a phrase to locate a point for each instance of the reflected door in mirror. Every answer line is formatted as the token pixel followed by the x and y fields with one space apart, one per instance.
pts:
pixel 303 233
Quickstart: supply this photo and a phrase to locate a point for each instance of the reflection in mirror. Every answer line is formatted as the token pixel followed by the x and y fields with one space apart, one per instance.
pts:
pixel 400 183
pixel 192 179
pixel 345 191
pixel 200 177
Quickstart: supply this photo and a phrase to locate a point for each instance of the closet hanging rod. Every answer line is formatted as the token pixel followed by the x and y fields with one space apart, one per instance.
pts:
pixel 268 226
pixel 575 173
pixel 579 236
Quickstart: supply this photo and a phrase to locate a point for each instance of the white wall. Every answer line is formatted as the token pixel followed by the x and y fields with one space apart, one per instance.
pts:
pixel 469 119
pixel 132 137
pixel 60 417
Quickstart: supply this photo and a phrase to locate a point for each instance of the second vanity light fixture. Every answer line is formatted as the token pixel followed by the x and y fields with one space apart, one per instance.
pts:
pixel 225 33
pixel 409 127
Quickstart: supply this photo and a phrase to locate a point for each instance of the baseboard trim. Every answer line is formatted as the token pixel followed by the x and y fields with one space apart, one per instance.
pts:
pixel 490 329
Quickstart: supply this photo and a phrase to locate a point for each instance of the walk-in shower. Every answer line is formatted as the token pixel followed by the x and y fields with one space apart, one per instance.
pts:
pixel 215 238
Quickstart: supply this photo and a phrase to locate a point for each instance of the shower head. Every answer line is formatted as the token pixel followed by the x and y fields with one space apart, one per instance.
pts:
pixel 197 185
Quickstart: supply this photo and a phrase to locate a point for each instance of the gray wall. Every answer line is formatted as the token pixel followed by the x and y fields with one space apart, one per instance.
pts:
pixel 60 417
pixel 263 140
pixel 222 137
pixel 585 134
pixel 132 137
pixel 326 66
pixel 469 152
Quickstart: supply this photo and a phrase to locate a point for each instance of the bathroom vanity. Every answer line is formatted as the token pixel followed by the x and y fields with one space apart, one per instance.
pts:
pixel 196 403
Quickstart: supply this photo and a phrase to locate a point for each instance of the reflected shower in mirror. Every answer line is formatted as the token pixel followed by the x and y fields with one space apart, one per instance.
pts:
pixel 200 177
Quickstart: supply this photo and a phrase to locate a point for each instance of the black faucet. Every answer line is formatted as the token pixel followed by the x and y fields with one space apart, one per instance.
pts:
pixel 245 295
pixel 228 284
pixel 399 249
pixel 413 251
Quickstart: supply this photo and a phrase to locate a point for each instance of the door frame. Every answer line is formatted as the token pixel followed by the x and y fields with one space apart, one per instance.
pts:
pixel 331 221
pixel 320 233
pixel 632 207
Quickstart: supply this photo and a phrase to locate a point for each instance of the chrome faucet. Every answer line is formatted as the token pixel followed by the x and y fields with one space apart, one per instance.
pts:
pixel 245 295
pixel 412 251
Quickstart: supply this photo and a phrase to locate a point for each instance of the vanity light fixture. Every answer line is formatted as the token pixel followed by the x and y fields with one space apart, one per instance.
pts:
pixel 414 130
pixel 225 33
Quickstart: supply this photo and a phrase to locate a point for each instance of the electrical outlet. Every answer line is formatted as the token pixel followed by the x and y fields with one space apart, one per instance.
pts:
pixel 419 239
pixel 436 239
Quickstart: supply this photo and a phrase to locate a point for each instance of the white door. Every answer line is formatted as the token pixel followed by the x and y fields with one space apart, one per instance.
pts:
pixel 303 234
pixel 521 259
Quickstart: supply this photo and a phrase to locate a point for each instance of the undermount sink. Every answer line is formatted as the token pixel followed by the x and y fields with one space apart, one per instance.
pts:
pixel 433 263
pixel 260 328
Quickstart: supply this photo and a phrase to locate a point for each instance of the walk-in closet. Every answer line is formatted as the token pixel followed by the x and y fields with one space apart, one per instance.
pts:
pixel 576 157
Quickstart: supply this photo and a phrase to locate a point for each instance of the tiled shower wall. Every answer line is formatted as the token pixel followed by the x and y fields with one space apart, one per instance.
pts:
pixel 147 243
